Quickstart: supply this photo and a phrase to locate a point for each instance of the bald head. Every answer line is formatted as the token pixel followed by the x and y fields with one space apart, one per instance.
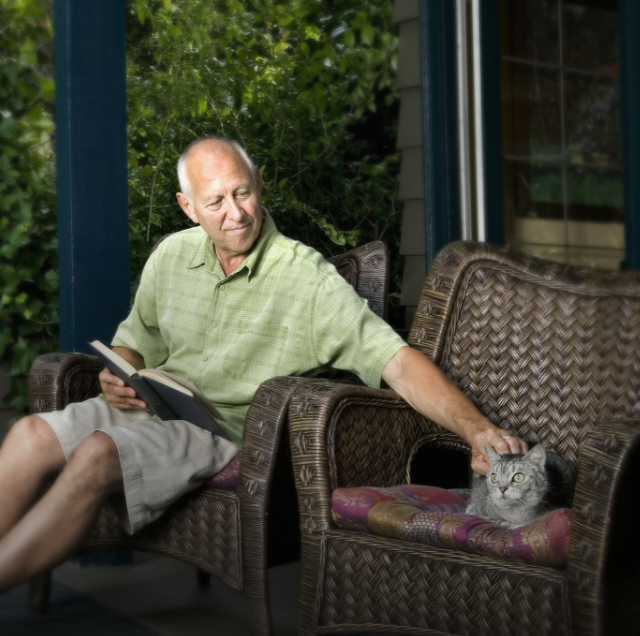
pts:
pixel 209 148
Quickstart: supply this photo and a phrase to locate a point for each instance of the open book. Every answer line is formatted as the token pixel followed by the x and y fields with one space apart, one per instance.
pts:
pixel 167 396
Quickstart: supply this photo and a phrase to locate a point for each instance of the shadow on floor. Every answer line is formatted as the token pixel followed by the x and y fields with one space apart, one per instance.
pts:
pixel 75 615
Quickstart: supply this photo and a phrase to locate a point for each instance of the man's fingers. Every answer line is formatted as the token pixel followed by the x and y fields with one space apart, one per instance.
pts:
pixel 117 394
pixel 479 464
pixel 127 404
pixel 108 378
pixel 512 443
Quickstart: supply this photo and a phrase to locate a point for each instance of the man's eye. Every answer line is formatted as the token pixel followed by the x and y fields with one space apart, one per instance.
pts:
pixel 243 195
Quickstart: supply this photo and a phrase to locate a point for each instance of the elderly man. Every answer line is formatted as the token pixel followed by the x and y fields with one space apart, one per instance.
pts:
pixel 227 304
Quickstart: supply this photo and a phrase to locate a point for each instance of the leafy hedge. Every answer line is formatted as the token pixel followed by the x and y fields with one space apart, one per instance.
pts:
pixel 306 86
pixel 28 257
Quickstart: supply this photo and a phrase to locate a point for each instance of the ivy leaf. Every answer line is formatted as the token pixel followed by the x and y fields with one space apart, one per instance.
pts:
pixel 367 33
pixel 349 38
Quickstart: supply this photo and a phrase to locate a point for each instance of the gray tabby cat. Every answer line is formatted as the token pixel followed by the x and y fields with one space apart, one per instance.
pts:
pixel 522 488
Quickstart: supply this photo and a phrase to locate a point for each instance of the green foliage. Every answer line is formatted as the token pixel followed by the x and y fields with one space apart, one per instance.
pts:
pixel 306 86
pixel 28 277
pixel 295 83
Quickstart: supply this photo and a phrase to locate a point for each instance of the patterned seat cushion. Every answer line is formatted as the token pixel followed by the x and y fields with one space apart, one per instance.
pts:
pixel 227 478
pixel 436 516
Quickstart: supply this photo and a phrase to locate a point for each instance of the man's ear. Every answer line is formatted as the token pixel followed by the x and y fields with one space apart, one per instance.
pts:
pixel 185 204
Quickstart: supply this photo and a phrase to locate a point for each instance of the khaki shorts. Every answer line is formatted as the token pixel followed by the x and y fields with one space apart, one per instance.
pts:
pixel 161 461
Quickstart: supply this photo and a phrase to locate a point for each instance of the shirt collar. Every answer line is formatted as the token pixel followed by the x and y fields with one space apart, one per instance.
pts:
pixel 205 255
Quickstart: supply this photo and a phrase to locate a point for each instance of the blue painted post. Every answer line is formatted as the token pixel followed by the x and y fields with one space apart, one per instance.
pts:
pixel 629 21
pixel 91 155
pixel 91 160
pixel 440 125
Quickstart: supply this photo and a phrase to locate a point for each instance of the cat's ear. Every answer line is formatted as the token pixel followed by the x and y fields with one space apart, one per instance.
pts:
pixel 537 457
pixel 491 454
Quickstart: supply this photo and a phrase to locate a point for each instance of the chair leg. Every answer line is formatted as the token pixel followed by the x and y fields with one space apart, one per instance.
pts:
pixel 203 578
pixel 260 612
pixel 39 592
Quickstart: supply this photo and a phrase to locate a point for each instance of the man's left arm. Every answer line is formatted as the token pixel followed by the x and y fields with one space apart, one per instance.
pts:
pixel 421 383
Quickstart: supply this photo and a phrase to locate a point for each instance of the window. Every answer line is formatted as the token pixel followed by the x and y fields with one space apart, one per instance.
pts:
pixel 561 140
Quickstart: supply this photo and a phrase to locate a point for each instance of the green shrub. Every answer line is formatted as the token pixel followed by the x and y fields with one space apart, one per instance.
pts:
pixel 28 257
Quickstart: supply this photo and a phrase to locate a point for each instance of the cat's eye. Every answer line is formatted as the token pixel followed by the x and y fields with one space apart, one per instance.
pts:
pixel 518 478
pixel 494 478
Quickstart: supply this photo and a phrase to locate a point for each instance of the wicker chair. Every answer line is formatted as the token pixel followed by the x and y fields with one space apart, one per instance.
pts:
pixel 235 535
pixel 547 350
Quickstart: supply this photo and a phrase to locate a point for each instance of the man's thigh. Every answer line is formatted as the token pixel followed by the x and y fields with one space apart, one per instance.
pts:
pixel 161 461
pixel 80 419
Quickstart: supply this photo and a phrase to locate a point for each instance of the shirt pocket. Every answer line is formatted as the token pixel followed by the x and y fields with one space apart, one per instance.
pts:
pixel 256 353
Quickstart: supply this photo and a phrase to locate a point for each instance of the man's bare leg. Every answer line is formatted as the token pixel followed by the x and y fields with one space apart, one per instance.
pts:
pixel 55 526
pixel 30 458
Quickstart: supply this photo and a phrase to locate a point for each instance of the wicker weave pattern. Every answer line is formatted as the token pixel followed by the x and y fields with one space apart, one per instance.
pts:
pixel 381 583
pixel 367 269
pixel 579 359
pixel 57 379
pixel 203 530
pixel 602 463
pixel 550 351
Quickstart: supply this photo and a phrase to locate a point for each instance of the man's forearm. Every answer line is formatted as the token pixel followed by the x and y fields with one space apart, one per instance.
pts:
pixel 421 383
pixel 131 356
pixel 415 378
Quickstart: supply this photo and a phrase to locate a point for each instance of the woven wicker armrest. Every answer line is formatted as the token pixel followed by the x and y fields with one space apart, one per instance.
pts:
pixel 346 436
pixel 264 426
pixel 57 379
pixel 604 526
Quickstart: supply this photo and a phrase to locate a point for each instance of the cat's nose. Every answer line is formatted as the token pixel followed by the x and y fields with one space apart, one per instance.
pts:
pixel 503 489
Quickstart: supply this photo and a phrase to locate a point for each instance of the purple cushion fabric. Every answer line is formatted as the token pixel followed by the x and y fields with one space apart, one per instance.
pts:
pixel 435 516
pixel 227 478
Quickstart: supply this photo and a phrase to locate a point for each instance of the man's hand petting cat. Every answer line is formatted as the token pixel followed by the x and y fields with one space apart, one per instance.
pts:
pixel 501 440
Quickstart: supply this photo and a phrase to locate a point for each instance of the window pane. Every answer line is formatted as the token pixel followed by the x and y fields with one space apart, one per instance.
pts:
pixel 561 136
pixel 591 37
pixel 532 33
pixel 534 192
pixel 605 259
pixel 593 120
pixel 532 120
pixel 595 195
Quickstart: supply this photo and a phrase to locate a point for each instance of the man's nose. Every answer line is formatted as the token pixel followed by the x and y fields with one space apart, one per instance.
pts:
pixel 234 210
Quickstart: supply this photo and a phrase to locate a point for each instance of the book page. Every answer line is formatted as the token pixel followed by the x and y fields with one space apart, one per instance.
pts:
pixel 166 378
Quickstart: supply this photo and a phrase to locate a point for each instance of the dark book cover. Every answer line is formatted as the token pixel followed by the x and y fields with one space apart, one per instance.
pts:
pixel 186 407
pixel 143 389
pixel 163 400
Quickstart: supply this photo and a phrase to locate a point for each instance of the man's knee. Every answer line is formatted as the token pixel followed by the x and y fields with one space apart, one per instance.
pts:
pixel 97 458
pixel 33 437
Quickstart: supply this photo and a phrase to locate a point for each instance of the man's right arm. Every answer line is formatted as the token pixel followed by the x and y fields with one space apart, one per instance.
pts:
pixel 114 389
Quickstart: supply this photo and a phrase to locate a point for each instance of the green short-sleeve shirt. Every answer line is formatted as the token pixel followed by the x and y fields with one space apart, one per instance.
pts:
pixel 284 311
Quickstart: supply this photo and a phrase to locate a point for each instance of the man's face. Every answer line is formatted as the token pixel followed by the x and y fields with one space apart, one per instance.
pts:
pixel 225 198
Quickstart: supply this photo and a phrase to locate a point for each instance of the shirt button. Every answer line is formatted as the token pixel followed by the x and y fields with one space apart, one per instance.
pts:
pixel 221 287
pixel 205 358
pixel 215 324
